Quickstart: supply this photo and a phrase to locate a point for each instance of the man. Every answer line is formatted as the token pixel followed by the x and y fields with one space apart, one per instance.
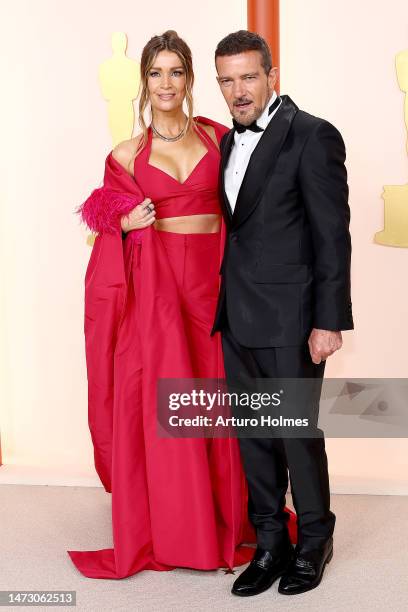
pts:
pixel 284 298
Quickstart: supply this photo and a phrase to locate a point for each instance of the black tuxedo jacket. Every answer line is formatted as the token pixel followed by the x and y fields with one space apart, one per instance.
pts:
pixel 286 266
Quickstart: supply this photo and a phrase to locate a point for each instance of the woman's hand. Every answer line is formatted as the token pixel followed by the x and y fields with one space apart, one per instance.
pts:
pixel 141 216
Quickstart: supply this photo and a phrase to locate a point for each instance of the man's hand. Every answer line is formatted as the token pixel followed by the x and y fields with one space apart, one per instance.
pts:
pixel 323 343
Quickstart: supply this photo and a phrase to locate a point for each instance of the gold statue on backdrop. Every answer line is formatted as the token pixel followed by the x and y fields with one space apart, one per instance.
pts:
pixel 119 78
pixel 395 232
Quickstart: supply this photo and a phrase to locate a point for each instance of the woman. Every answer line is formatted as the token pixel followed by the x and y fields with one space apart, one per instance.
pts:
pixel 150 303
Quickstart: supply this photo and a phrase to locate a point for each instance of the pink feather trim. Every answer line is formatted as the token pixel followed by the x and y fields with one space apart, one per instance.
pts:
pixel 103 209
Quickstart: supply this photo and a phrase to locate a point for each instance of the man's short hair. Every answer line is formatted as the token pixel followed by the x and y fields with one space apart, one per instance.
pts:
pixel 241 41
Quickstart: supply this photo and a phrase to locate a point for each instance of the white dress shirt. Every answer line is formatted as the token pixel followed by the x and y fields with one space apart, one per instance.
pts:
pixel 241 152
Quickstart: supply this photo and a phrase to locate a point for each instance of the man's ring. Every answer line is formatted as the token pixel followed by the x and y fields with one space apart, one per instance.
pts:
pixel 148 208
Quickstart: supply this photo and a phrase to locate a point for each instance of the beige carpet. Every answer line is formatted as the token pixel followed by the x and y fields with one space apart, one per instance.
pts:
pixel 369 570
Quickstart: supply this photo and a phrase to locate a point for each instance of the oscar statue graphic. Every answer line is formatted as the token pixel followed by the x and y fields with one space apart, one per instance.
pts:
pixel 395 232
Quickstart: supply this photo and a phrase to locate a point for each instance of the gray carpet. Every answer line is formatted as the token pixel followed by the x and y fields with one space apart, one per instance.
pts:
pixel 369 570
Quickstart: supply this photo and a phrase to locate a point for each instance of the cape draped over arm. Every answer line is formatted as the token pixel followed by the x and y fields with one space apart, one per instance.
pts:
pixel 105 294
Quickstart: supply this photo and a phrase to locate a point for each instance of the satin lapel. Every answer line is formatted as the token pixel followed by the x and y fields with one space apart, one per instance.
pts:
pixel 225 153
pixel 263 160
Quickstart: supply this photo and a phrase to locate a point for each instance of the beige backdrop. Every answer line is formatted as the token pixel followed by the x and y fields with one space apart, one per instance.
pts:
pixel 335 63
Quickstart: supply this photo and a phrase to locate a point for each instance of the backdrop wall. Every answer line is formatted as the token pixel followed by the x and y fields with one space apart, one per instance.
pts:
pixel 334 63
pixel 337 62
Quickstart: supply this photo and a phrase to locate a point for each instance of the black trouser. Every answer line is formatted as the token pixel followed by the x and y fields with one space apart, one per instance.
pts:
pixel 268 460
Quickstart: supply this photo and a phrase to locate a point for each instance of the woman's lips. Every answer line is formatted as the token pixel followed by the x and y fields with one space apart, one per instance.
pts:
pixel 166 96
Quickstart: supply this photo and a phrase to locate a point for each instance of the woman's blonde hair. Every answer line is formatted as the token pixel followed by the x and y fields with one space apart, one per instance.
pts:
pixel 169 41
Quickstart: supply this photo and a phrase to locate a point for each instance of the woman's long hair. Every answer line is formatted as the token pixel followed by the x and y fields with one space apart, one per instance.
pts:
pixel 169 41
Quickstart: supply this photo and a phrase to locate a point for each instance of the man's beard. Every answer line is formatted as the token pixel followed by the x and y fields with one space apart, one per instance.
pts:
pixel 254 115
pixel 248 119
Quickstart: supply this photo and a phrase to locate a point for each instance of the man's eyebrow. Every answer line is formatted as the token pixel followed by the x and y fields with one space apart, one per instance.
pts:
pixel 242 76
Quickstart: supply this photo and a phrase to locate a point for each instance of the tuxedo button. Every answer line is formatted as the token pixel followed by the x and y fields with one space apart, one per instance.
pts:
pixel 234 237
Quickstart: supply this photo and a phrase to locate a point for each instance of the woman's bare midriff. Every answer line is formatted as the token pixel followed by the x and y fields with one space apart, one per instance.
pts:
pixel 191 224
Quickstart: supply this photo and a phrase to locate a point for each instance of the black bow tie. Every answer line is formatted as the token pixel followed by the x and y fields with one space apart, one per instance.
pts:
pixel 254 127
pixel 242 128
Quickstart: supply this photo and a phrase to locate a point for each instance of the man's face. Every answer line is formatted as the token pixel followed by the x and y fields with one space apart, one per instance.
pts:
pixel 245 85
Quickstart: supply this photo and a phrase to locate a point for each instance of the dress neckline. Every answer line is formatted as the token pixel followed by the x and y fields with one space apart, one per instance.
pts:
pixel 181 183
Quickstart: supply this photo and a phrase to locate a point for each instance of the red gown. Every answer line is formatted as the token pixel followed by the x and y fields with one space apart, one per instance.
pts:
pixel 149 305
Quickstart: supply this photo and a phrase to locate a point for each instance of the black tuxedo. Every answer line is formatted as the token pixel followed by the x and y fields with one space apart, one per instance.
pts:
pixel 286 270
pixel 286 267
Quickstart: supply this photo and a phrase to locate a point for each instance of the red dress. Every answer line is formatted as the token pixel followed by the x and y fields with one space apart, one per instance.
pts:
pixel 176 502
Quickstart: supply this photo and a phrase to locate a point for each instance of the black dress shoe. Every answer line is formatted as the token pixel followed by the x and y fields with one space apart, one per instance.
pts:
pixel 306 569
pixel 261 573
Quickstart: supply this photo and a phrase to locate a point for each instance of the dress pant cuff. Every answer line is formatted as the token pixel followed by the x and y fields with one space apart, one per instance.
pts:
pixel 273 541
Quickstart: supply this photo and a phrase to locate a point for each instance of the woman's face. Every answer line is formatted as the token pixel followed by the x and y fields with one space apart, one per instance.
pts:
pixel 166 81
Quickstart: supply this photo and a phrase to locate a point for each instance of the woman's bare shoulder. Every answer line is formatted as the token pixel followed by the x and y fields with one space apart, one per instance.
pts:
pixel 126 151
